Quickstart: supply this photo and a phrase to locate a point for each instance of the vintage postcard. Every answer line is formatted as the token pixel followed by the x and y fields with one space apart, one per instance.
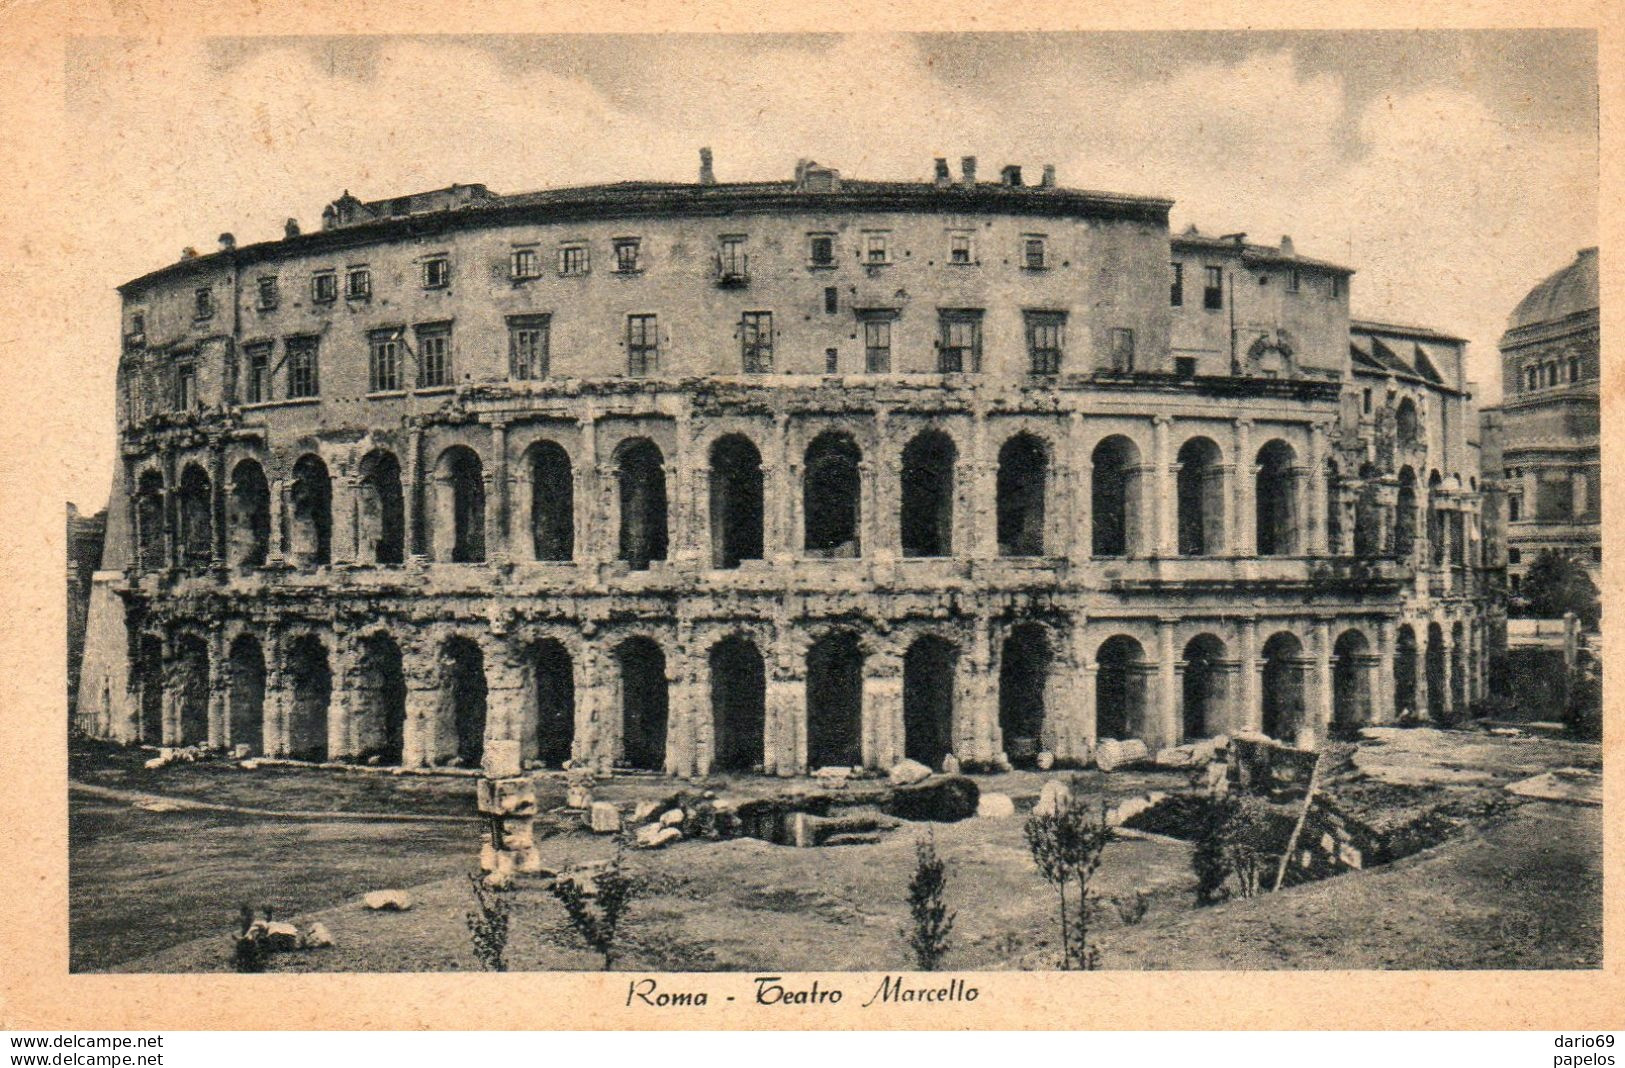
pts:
pixel 904 525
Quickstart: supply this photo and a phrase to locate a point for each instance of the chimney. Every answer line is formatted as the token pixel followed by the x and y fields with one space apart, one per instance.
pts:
pixel 943 178
pixel 967 170
pixel 227 242
pixel 290 228
pixel 1010 175
pixel 1048 181
pixel 188 253
pixel 707 175
pixel 1286 246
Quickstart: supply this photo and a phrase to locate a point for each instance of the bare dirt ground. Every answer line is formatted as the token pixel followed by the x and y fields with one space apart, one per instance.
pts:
pixel 158 891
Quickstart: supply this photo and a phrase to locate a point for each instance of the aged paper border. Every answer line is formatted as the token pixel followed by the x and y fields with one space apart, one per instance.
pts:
pixel 36 990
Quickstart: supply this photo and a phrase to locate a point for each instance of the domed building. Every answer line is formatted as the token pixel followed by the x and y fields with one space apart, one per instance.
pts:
pixel 774 476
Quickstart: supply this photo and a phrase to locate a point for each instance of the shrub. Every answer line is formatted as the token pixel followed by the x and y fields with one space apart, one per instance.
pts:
pixel 1236 845
pixel 488 926
pixel 1131 909
pixel 1583 713
pixel 597 918
pixel 932 922
pixel 1066 847
pixel 249 951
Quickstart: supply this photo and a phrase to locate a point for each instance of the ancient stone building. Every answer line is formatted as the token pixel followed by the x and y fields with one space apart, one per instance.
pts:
pixel 774 475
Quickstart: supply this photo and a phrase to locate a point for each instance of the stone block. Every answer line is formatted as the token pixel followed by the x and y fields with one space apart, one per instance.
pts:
pixel 388 900
pixel 644 811
pixel 1045 760
pixel 242 751
pixel 995 807
pixel 518 834
pixel 1053 799
pixel 950 765
pixel 578 795
pixel 502 758
pixel 506 797
pixel 604 818
pixel 318 936
pixel 281 937
pixel 907 773
pixel 673 818
pixel 653 836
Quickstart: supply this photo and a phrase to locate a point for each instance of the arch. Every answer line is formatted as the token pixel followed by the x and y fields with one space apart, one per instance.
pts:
pixel 310 682
pixel 248 516
pixel 930 677
pixel 150 678
pixel 1368 514
pixel 1114 496
pixel 459 521
pixel 245 694
pixel 555 683
pixel 1436 672
pixel 310 521
pixel 463 702
pixel 1405 515
pixel 552 502
pixel 1407 425
pixel 640 470
pixel 644 703
pixel 926 521
pixel 1276 499
pixel 738 704
pixel 1022 482
pixel 1024 671
pixel 1352 665
pixel 381 510
pixel 194 505
pixel 831 497
pixel 149 520
pixel 1281 686
pixel 1120 688
pixel 1405 669
pixel 1200 492
pixel 736 501
pixel 1203 687
pixel 187 680
pixel 835 701
pixel 379 715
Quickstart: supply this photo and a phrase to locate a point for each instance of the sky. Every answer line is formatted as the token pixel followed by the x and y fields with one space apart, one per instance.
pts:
pixel 1452 169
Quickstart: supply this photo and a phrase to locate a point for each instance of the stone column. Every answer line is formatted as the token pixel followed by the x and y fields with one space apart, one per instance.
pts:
pixel 1420 704
pixel 219 686
pixel 419 736
pixel 782 488
pixel 784 735
pixel 1382 697
pixel 1447 699
pixel 1224 699
pixel 497 499
pixel 1166 503
pixel 608 512
pixel 1170 697
pixel 274 741
pixel 507 689
pixel 882 472
pixel 589 516
pixel 416 550
pixel 1085 704
pixel 172 546
pixel 684 477
pixel 341 743
pixel 882 710
pixel 1316 512
pixel 977 737
pixel 217 506
pixel 1246 541
pixel 1318 709
pixel 346 532
pixel 979 496
pixel 1250 716
pixel 689 737
pixel 1071 459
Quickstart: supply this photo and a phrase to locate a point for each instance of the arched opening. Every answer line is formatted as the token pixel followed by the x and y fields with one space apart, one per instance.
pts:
pixel 1200 491
pixel 1437 679
pixel 310 527
pixel 245 716
pixel 643 703
pixel 831 497
pixel 379 715
pixel 1405 515
pixel 1368 514
pixel 1024 668
pixel 1021 485
pixel 310 682
pixel 193 507
pixel 1407 427
pixel 249 515
pixel 382 513
pixel 1436 518
pixel 555 703
pixel 1114 497
pixel 1458 669
pixel 1203 687
pixel 459 522
pixel 641 471
pixel 463 698
pixel 149 521
pixel 736 501
pixel 1120 688
pixel 930 674
pixel 552 503
pixel 150 668
pixel 1352 665
pixel 927 519
pixel 1282 686
pixel 188 684
pixel 738 704
pixel 1405 668
pixel 1276 498
pixel 835 701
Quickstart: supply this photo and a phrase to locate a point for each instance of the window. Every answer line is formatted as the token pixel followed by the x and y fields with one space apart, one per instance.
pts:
pixel 1365 401
pixel 1033 256
pixel 384 361
pixel 436 272
pixel 876 247
pixel 1596 554
pixel 877 342
pixel 138 324
pixel 434 356
pixel 257 380
pixel 832 361
pixel 820 250
pixel 960 248
pixel 1514 508
pixel 627 250
pixel 1176 285
pixel 574 259
pixel 524 263
pixel 267 294
pixel 1185 366
pixel 1045 338
pixel 324 287
pixel 527 346
pixel 960 347
pixel 203 307
pixel 1334 286
pixel 1294 281
pixel 185 386
pixel 733 265
pixel 358 284
pixel 1122 349
pixel 756 341
pixel 1514 556
pixel 1531 378
pixel 1551 374
pixel 832 300
pixel 1212 288
pixel 642 345
pixel 301 361
pixel 1574 368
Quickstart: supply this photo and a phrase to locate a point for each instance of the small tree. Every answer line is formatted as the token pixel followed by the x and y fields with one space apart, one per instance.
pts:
pixel 250 951
pixel 488 926
pixel 597 918
pixel 1067 846
pixel 933 923
pixel 1557 583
